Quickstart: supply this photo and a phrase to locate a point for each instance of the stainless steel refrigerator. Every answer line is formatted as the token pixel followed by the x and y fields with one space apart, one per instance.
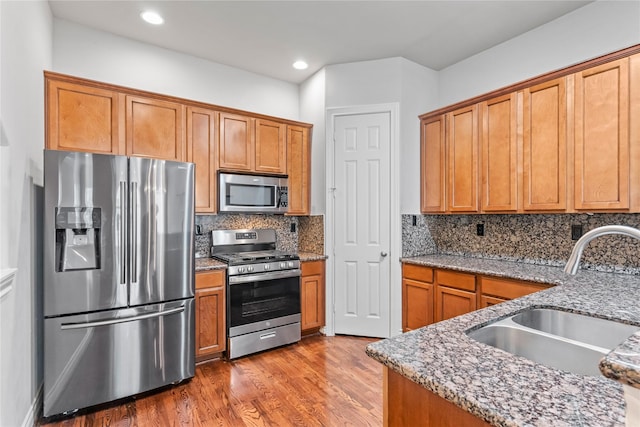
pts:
pixel 118 277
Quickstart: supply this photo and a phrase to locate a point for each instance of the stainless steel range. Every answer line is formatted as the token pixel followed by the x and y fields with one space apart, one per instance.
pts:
pixel 263 290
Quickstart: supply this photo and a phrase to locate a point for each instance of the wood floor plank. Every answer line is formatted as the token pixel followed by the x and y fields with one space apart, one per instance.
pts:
pixel 321 381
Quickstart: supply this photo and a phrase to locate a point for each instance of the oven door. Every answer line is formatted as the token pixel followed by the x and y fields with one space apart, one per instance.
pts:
pixel 264 300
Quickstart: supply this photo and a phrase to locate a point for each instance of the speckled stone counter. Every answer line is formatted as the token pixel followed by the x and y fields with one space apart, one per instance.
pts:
pixel 501 388
pixel 204 264
pixel 309 256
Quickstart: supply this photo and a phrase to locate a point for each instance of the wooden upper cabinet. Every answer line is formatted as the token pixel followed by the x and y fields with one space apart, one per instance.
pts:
pixel 634 131
pixel 462 138
pixel 433 165
pixel 155 128
pixel 83 118
pixel 201 134
pixel 299 169
pixel 236 142
pixel 270 147
pixel 601 132
pixel 499 122
pixel 545 147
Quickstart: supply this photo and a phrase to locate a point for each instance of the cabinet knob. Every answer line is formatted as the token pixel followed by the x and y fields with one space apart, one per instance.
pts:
pixel 383 254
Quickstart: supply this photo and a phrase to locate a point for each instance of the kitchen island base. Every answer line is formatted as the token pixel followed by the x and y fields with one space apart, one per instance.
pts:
pixel 409 404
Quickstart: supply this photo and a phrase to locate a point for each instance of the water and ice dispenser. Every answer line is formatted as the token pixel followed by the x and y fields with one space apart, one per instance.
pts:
pixel 77 238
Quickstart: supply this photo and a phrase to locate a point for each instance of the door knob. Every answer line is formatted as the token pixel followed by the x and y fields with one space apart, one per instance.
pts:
pixel 383 254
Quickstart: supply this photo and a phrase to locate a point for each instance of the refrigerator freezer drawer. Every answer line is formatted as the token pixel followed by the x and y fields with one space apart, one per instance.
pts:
pixel 99 357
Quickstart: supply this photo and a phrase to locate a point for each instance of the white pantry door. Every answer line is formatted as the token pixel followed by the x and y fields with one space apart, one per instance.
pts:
pixel 361 217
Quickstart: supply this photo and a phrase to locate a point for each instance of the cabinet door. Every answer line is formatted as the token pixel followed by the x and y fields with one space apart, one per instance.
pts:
pixel 271 147
pixel 432 165
pixel 486 301
pixel 236 142
pixel 453 302
pixel 462 138
pixel 155 128
pixel 602 137
pixel 499 155
pixel 312 296
pixel 201 133
pixel 299 169
pixel 83 118
pixel 545 147
pixel 417 304
pixel 210 314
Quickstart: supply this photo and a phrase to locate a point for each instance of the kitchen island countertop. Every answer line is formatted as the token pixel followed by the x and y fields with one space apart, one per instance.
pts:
pixel 506 390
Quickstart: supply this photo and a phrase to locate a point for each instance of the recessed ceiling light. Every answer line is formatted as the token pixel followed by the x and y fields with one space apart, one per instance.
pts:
pixel 152 17
pixel 300 65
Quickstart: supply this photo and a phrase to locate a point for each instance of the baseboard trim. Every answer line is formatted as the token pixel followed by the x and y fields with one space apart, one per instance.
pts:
pixel 34 411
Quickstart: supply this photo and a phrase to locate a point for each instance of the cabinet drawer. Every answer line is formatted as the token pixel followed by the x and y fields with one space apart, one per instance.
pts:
pixel 311 268
pixel 417 272
pixel 466 282
pixel 509 289
pixel 210 279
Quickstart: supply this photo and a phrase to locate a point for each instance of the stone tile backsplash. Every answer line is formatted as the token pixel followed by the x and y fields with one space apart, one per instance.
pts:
pixel 311 234
pixel 534 238
pixel 286 240
pixel 307 237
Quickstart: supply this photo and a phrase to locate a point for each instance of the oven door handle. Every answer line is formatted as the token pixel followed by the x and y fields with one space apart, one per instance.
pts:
pixel 261 277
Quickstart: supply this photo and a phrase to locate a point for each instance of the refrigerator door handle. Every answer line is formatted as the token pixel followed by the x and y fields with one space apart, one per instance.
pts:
pixel 66 326
pixel 123 232
pixel 134 232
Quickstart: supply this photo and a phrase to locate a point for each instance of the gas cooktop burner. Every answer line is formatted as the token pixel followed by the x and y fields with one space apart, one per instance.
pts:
pixel 255 256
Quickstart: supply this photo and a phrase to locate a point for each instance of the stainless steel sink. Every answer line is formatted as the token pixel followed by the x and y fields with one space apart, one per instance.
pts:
pixel 554 338
pixel 585 329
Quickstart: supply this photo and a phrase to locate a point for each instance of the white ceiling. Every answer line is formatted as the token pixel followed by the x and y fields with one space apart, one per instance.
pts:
pixel 266 37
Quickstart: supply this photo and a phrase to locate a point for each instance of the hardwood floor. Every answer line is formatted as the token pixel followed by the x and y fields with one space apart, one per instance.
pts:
pixel 321 381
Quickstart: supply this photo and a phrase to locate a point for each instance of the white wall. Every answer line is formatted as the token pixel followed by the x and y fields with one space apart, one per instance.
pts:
pixel 593 30
pixel 97 55
pixel 419 94
pixel 312 110
pixel 25 50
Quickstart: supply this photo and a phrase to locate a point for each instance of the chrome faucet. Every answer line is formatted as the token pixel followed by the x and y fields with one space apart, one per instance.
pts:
pixel 576 253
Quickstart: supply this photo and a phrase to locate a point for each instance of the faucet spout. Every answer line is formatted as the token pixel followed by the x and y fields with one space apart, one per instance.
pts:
pixel 574 260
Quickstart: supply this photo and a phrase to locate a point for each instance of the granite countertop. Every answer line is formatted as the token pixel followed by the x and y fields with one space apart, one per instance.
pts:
pixel 205 264
pixel 309 256
pixel 506 390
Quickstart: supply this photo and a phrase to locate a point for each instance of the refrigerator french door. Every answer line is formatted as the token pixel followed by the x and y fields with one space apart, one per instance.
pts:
pixel 118 277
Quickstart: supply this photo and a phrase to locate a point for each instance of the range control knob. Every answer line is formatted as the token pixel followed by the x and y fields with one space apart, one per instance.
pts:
pixel 250 268
pixel 283 265
pixel 290 264
pixel 241 269
pixel 267 267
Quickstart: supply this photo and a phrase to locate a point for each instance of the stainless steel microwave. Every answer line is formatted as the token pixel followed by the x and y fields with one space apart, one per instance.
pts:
pixel 252 193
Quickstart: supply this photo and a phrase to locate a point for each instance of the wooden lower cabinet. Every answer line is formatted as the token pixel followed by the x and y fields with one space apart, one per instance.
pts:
pixel 312 296
pixel 496 290
pixel 210 314
pixel 430 295
pixel 407 404
pixel 452 302
pixel 417 297
pixel 455 294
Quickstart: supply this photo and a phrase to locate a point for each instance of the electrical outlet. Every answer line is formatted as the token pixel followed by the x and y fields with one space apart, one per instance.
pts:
pixel 576 231
pixel 293 227
pixel 414 220
pixel 480 229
